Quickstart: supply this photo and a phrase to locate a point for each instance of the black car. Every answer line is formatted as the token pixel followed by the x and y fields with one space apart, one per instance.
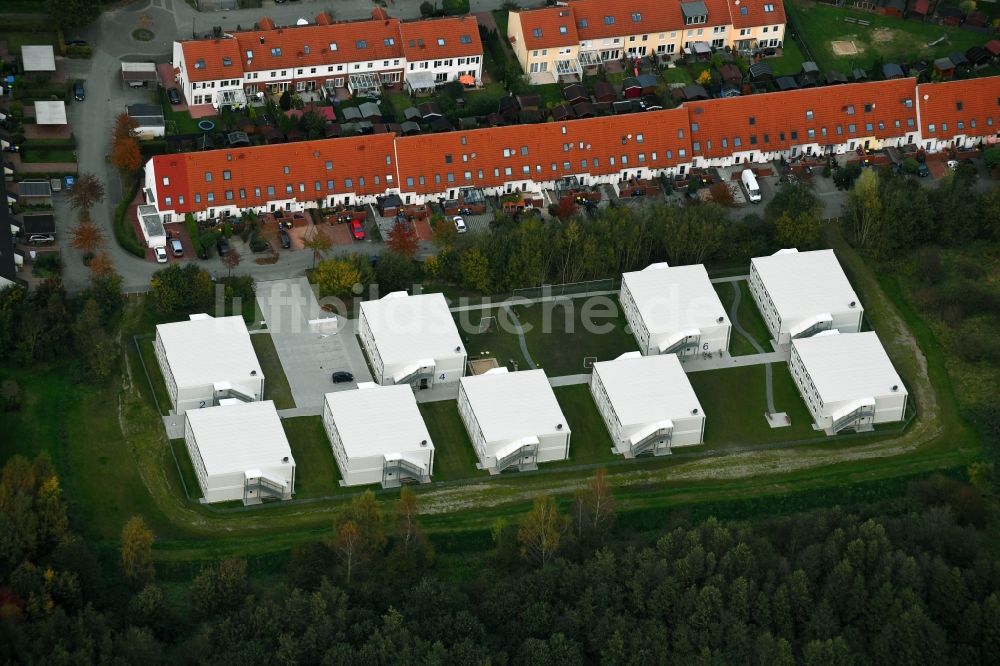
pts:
pixel 78 93
pixel 286 240
pixel 174 95
pixel 342 377
pixel 76 42
pixel 222 246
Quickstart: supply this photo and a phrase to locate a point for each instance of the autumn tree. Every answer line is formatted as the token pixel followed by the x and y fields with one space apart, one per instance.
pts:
pixel 231 260
pixel 125 127
pixel 403 239
pixel 542 531
pixel 102 266
pixel 566 208
pixel 336 277
pixel 126 156
pixel 359 533
pixel 411 549
pixel 445 233
pixel 137 552
pixel 802 231
pixel 474 268
pixel 86 235
pixel 864 207
pixel 220 587
pixel 94 347
pixel 722 194
pixel 347 543
pixel 594 506
pixel 319 242
pixel 87 191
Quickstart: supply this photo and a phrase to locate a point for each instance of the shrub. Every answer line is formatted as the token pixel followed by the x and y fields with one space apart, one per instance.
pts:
pixel 48 263
pixel 124 231
pixel 192 227
pixel 844 178
pixel 910 166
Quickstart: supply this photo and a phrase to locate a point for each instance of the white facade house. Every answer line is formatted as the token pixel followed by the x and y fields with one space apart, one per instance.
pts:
pixel 411 340
pixel 206 360
pixel 378 436
pixel 647 404
pixel 847 381
pixel 513 419
pixel 239 452
pixel 674 310
pixel 800 294
pixel 152 226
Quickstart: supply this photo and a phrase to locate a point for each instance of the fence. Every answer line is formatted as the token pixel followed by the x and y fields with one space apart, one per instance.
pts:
pixel 567 288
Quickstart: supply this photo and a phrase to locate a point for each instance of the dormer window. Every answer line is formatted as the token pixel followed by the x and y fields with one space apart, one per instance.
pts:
pixel 695 13
pixel 276 51
pixel 768 8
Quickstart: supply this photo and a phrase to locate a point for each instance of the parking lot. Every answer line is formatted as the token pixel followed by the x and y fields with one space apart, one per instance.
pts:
pixel 311 344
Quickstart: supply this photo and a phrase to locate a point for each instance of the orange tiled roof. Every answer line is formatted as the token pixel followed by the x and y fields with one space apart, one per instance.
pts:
pixel 452 37
pixel 481 158
pixel 362 165
pixel 970 107
pixel 777 121
pixel 212 59
pixel 752 13
pixel 548 27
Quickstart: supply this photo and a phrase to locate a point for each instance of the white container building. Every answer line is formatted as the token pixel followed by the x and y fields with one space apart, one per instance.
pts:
pixel 411 340
pixel 674 310
pixel 847 381
pixel 647 404
pixel 240 452
pixel 207 359
pixel 378 436
pixel 513 419
pixel 800 294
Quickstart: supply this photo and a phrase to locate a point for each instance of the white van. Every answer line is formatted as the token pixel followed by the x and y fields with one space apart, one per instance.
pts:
pixel 751 186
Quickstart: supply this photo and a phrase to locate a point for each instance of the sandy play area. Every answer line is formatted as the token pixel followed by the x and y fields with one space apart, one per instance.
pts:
pixel 844 48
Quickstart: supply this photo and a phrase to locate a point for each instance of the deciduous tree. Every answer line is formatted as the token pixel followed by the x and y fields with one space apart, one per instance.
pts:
pixel 102 266
pixel 86 235
pixel 359 533
pixel 126 156
pixel 137 552
pixel 802 231
pixel 721 194
pixel 231 260
pixel 864 207
pixel 336 277
pixel 403 239
pixel 220 587
pixel 594 506
pixel 87 190
pixel 94 347
pixel 542 531
pixel 73 13
pixel 125 127
pixel 474 268
pixel 318 241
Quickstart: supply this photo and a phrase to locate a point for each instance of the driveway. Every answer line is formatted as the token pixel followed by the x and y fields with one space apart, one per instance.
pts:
pixel 311 343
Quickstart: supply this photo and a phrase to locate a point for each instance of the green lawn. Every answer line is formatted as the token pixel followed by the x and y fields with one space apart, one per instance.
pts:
pixel 399 102
pixel 501 17
pixel 35 155
pixel 738 345
pixel 454 457
pixel 316 472
pixel 16 39
pixel 558 340
pixel 499 342
pixel 677 75
pixel 790 61
pixel 589 439
pixel 275 383
pixel 155 376
pixel 734 402
pixel 179 122
pixel 179 448
pixel 896 40
pixel 751 318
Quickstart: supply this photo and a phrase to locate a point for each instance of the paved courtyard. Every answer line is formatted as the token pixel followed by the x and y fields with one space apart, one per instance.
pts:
pixel 311 343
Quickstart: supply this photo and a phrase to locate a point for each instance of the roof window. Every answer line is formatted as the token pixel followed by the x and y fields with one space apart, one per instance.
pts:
pixel 609 20
pixel 537 32
pixel 440 41
pixel 199 63
pixel 276 50
pixel 361 44
pixel 226 61
pixel 636 17
pixel 465 39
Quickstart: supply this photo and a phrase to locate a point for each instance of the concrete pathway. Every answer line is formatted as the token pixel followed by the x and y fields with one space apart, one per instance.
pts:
pixel 311 343
pixel 520 339
pixel 731 278
pixel 717 362
pixel 569 380
pixel 174 425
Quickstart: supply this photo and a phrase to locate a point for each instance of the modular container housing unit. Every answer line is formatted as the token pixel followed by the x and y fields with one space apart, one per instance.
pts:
pixel 847 381
pixel 674 310
pixel 239 452
pixel 378 436
pixel 647 404
pixel 208 359
pixel 411 340
pixel 513 419
pixel 800 294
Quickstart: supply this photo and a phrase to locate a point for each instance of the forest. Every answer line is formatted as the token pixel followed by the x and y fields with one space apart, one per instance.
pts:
pixel 907 580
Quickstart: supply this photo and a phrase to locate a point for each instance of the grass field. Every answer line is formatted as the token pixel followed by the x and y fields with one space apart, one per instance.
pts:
pixel 589 439
pixel 790 61
pixel 558 340
pixel 35 155
pixel 16 39
pixel 498 342
pixel 738 345
pixel 181 122
pixel 895 40
pixel 275 383
pixel 183 458
pixel 155 376
pixel 454 457
pixel 676 75
pixel 316 472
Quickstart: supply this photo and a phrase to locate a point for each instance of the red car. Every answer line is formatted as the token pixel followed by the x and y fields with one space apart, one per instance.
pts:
pixel 357 230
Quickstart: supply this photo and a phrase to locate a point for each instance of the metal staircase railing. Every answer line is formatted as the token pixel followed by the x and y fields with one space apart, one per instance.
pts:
pixel 814 329
pixel 850 419
pixel 415 375
pixel 263 485
pixel 682 345
pixel 511 458
pixel 233 393
pixel 652 441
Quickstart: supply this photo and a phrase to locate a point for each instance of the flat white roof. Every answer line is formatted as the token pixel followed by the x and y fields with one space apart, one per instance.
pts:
pixel 236 438
pixel 407 328
pixel 514 405
pixel 848 366
pixel 647 389
pixel 209 350
pixel 674 299
pixel 39 58
pixel 805 283
pixel 50 113
pixel 378 420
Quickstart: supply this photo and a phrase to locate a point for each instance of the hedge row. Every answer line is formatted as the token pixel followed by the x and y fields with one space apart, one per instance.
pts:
pixel 124 231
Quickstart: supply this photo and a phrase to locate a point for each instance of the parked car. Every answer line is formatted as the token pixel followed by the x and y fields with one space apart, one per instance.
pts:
pixel 460 225
pixel 923 171
pixel 177 247
pixel 342 377
pixel 78 92
pixel 77 42
pixel 222 246
pixel 174 95
pixel 357 230
pixel 161 254
pixel 286 240
pixel 41 239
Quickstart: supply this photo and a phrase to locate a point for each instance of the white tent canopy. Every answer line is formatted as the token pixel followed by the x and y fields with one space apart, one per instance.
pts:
pixel 50 113
pixel 38 58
